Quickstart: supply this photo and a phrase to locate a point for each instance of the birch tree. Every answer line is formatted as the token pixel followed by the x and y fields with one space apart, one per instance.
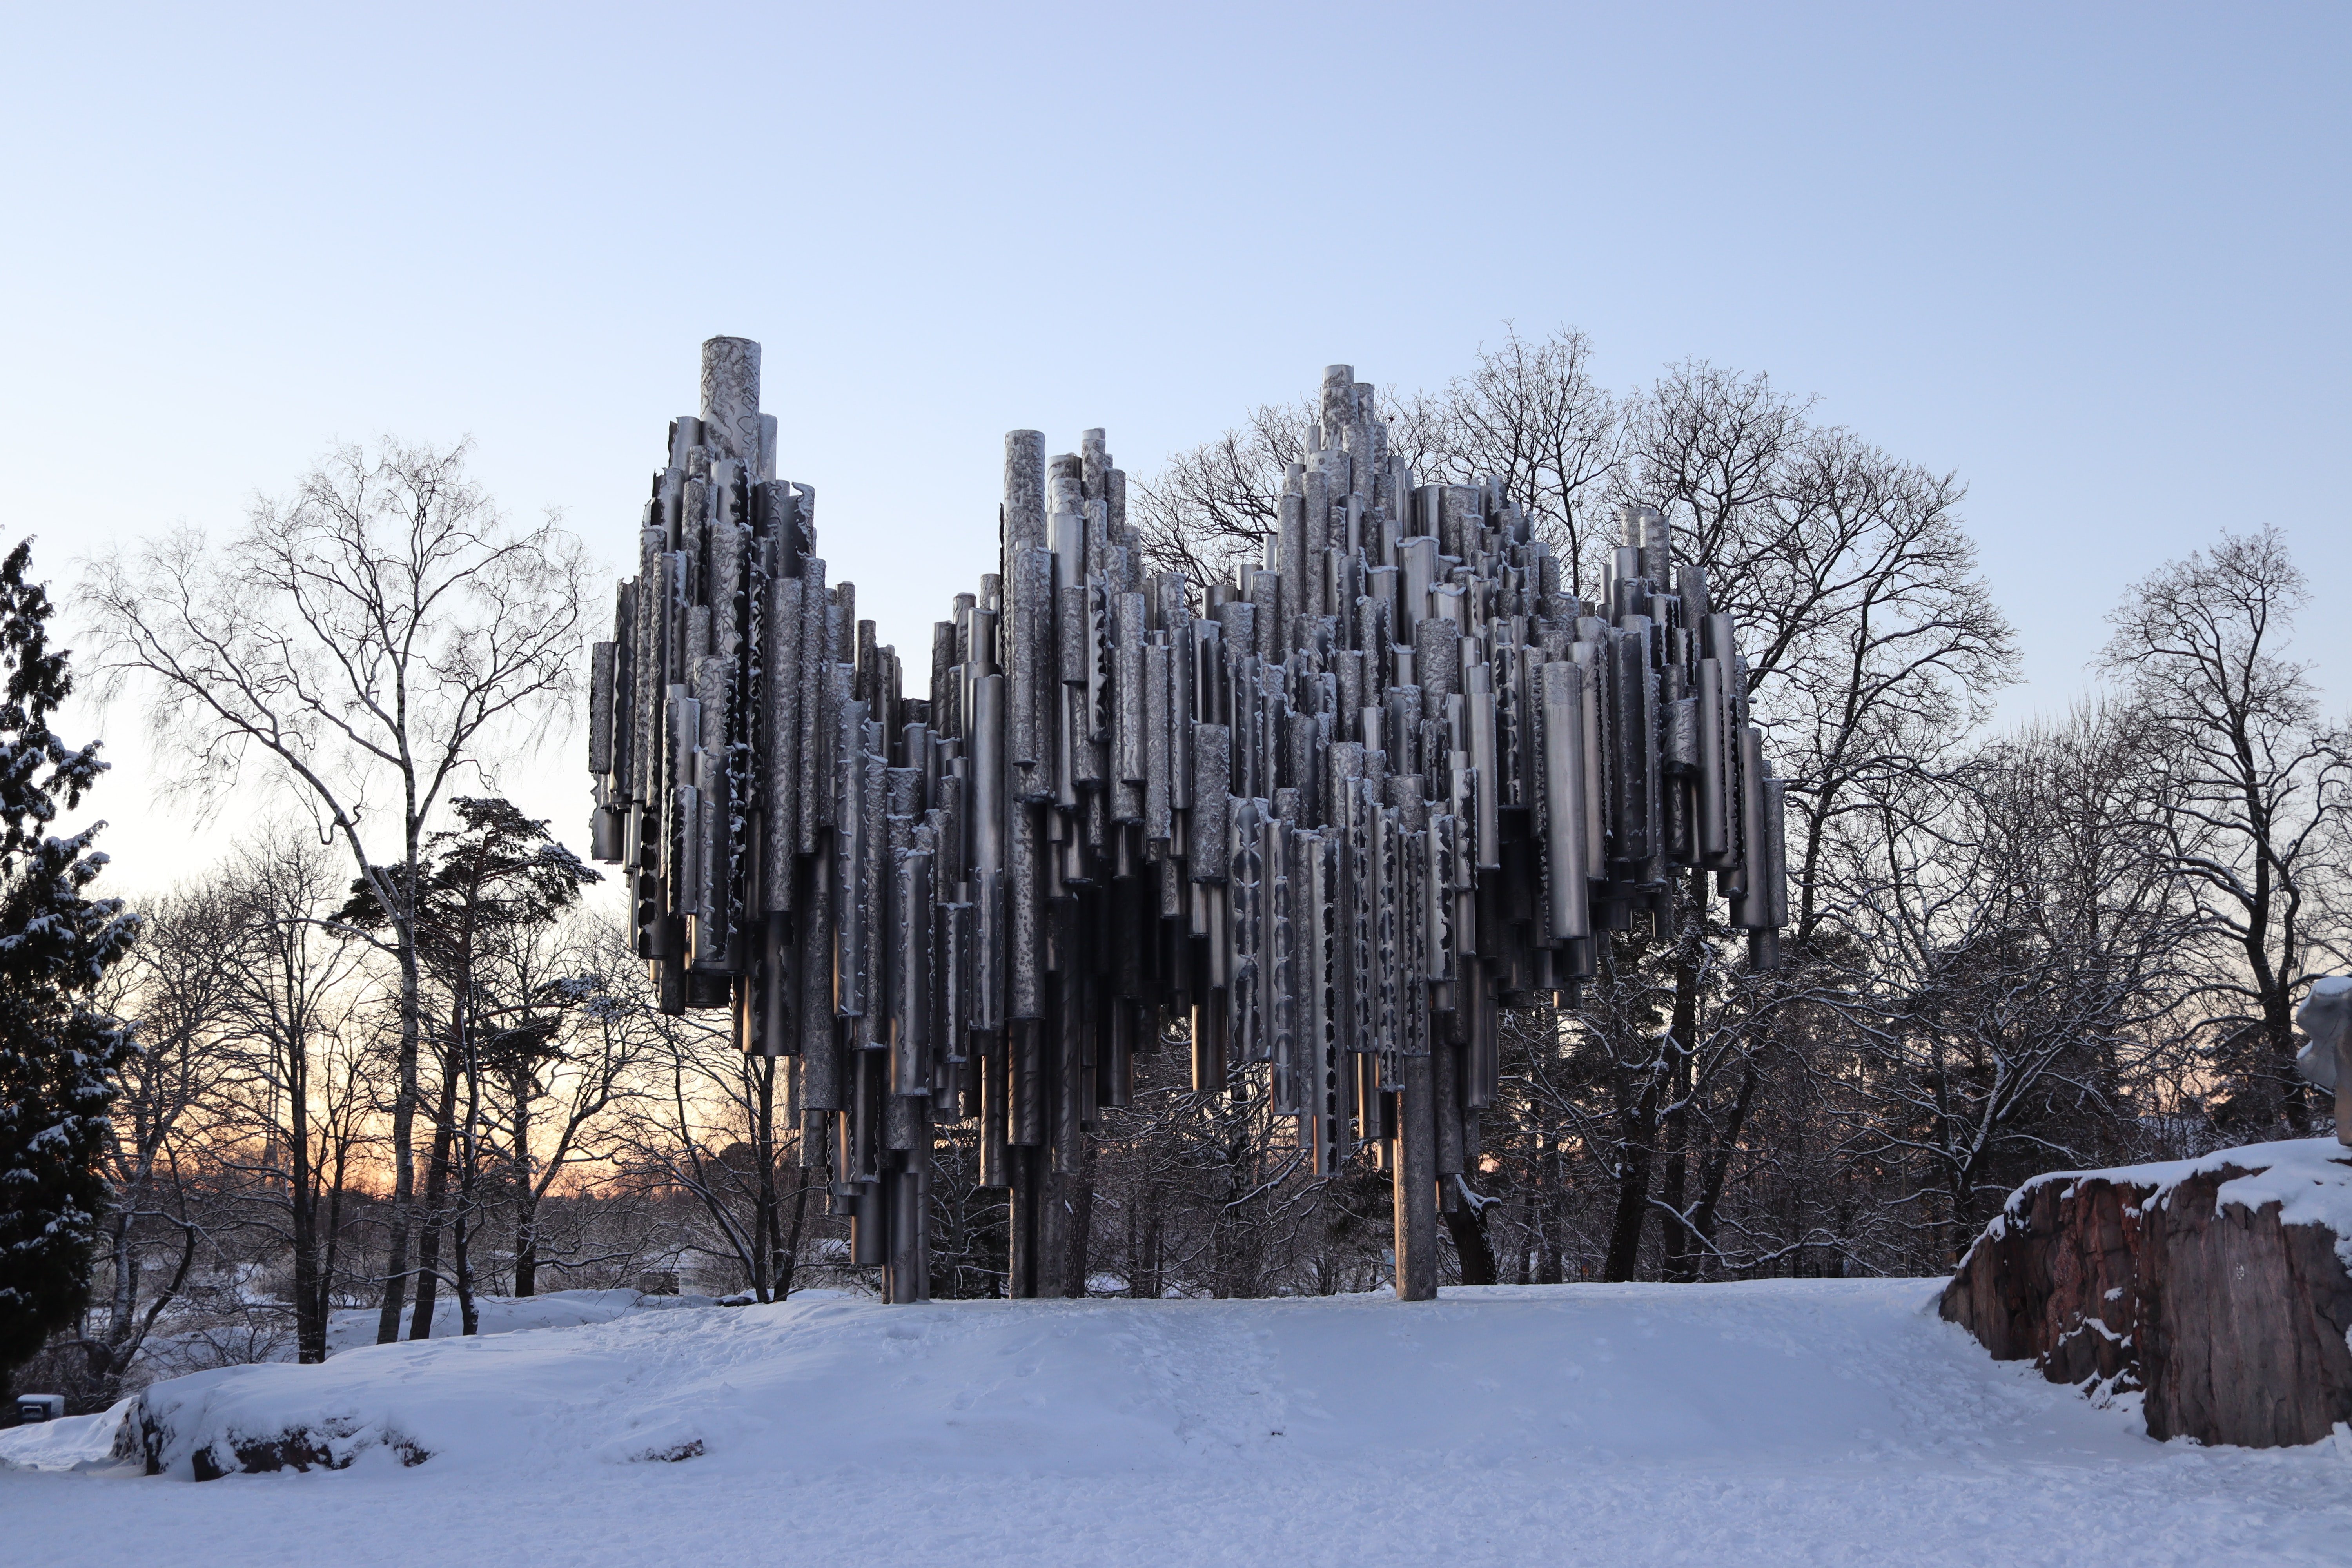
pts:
pixel 361 647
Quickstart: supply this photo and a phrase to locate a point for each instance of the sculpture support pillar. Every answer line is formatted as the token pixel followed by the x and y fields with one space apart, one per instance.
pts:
pixel 1416 1180
pixel 907 1193
pixel 1028 1196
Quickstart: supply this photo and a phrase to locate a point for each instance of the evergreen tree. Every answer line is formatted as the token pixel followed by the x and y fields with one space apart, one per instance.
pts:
pixel 60 1055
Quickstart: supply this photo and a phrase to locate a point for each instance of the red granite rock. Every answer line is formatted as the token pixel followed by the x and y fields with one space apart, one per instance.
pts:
pixel 2218 1287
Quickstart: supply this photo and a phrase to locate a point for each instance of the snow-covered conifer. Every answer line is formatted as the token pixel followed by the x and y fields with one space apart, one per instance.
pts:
pixel 59 1053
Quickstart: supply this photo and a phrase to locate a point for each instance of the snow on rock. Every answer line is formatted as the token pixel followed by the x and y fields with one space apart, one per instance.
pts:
pixel 238 1438
pixel 1821 1423
pixel 74 1442
pixel 2217 1288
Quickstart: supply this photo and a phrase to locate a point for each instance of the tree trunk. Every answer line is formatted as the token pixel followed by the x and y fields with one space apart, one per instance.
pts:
pixel 404 1119
pixel 1547 1212
pixel 526 1257
pixel 1718 1167
pixel 1079 1190
pixel 309 1319
pixel 1635 1142
pixel 1681 1248
pixel 1957 1171
pixel 125 1298
pixel 436 1191
pixel 520 1084
pixel 1637 1134
pixel 1138 1268
pixel 108 1361
pixel 459 1231
pixel 763 1196
pixel 470 1320
pixel 1468 1226
pixel 789 1253
pixel 332 1235
pixel 2279 1025
pixel 468 1155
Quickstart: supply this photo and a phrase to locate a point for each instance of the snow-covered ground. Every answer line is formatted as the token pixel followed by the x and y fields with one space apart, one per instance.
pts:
pixel 1817 1423
pixel 352 1328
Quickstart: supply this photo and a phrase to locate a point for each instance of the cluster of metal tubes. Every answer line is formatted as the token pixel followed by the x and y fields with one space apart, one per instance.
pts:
pixel 1322 820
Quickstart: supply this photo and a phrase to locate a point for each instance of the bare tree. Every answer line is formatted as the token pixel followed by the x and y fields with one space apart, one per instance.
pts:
pixel 716 1125
pixel 2025 948
pixel 299 998
pixel 176 990
pixel 2252 789
pixel 566 1061
pixel 1531 414
pixel 1875 648
pixel 370 639
pixel 1212 507
pixel 1879 651
pixel 1874 640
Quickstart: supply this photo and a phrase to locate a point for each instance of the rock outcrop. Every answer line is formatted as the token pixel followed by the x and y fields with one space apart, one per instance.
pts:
pixel 2216 1286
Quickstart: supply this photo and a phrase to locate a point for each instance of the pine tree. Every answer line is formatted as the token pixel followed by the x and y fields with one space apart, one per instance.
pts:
pixel 58 1054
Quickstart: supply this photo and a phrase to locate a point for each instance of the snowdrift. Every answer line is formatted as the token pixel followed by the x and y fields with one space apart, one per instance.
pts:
pixel 97 1442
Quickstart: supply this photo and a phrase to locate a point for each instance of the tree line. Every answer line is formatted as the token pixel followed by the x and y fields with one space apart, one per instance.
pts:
pixel 390 1057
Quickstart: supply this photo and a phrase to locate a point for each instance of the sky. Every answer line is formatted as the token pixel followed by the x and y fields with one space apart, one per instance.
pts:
pixel 2091 258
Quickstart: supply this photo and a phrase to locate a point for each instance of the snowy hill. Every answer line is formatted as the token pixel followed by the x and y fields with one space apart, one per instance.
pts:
pixel 351 1328
pixel 1818 1422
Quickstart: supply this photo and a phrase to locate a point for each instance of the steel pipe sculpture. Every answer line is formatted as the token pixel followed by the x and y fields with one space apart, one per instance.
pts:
pixel 1328 817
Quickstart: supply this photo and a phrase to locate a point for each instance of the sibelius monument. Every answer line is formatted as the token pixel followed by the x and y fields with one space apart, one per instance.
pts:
pixel 1330 817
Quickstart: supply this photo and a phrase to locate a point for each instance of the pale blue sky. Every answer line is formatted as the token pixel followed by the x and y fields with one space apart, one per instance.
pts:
pixel 2090 257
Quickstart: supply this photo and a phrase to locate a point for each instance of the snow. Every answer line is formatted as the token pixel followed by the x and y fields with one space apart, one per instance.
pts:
pixel 85 1442
pixel 2309 1178
pixel 1823 1423
pixel 354 1328
pixel 72 1443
